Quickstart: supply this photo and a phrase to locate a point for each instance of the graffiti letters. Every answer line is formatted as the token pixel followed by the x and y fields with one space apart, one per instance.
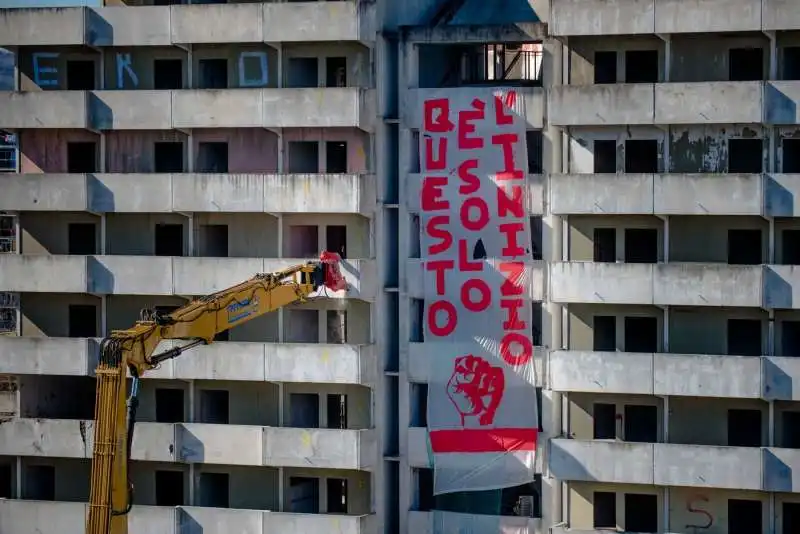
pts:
pixel 256 64
pixel 124 65
pixel 691 506
pixel 45 75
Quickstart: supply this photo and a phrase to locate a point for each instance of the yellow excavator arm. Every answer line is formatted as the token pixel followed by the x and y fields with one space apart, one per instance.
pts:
pixel 198 322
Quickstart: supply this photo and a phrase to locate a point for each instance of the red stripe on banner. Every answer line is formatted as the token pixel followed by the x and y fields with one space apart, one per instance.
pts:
pixel 483 440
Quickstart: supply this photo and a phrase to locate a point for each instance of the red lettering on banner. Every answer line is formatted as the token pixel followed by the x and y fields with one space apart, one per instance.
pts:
pixel 433 163
pixel 440 266
pixel 450 324
pixel 512 248
pixel 506 142
pixel 485 295
pixel 524 349
pixel 471 182
pixel 466 212
pixel 502 118
pixel 514 272
pixel 465 125
pixel 512 205
pixel 512 322
pixel 464 265
pixel 438 122
pixel 432 194
pixel 435 230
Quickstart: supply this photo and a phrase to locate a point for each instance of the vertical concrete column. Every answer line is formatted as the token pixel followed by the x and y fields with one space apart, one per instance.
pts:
pixel 18 476
pixel 191 419
pixel 103 233
pixel 771 341
pixel 191 246
pixel 281 152
pixel 103 167
pixel 280 65
pixel 16 81
pixel 666 239
pixel 667 56
pixel 189 67
pixel 190 163
pixel 103 315
pixel 102 69
pixel 281 311
pixel 773 55
pixel 665 330
pixel 771 244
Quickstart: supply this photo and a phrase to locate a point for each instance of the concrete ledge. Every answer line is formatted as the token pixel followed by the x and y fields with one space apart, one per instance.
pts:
pixel 198 443
pixel 438 521
pixel 535 183
pixel 37 516
pixel 44 109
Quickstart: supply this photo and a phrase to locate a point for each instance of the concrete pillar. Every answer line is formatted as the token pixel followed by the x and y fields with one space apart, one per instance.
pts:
pixel 280 65
pixel 191 244
pixel 103 163
pixel 665 330
pixel 103 316
pixel 18 473
pixel 771 341
pixel 281 489
pixel 189 67
pixel 102 69
pixel 773 56
pixel 666 238
pixel 667 57
pixel 103 233
pixel 190 159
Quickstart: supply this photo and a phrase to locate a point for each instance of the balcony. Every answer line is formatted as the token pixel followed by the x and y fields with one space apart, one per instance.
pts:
pixel 529 104
pixel 599 17
pixel 435 522
pixel 535 183
pixel 270 362
pixel 199 443
pixel 37 516
pixel 191 192
pixel 185 24
pixel 417 448
pixel 415 280
pixel 667 464
pixel 158 275
pixel 673 103
pixel 674 284
pixel 419 361
pixel 346 107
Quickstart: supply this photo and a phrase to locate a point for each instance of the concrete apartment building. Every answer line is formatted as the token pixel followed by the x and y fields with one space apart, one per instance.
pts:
pixel 162 157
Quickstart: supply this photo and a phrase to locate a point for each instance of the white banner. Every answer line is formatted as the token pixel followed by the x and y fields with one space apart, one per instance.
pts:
pixel 482 413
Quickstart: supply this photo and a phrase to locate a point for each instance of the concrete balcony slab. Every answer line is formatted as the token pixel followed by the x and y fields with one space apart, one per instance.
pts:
pixel 42 27
pixel 417 448
pixel 330 107
pixel 46 274
pixel 708 16
pixel 601 105
pixel 534 182
pixel 533 278
pixel 45 192
pixel 199 443
pixel 599 17
pixel 708 194
pixel 48 356
pixel 233 23
pixel 318 21
pixel 576 194
pixel 131 110
pixel 44 109
pixel 709 102
pixel 123 26
pixel 37 516
pixel 779 15
pixel 439 521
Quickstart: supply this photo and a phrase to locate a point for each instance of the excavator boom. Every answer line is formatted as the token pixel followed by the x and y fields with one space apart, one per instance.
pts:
pixel 133 350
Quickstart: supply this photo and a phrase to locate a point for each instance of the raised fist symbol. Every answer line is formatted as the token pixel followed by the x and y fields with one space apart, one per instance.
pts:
pixel 476 388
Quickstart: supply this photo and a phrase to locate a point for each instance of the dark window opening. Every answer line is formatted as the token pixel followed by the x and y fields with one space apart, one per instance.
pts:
pixel 605 245
pixel 641 513
pixel 169 240
pixel 40 483
pixel 169 405
pixel 790 430
pixel 535 148
pixel 641 425
pixel 169 488
pixel 6 481
pixel 302 326
pixel 303 495
pixel 744 337
pixel 80 75
pixel 746 64
pixel 790 338
pixel 791 64
pixel 303 157
pixel 82 238
pixel 336 326
pixel 537 238
pixel 744 247
pixel 336 157
pixel 214 490
pixel 335 72
pixel 302 72
pixel 82 157
pixel 337 495
pixel 419 405
pixel 605 421
pixel 336 407
pixel 790 243
pixel 214 406
pixel 303 241
pixel 605 156
pixel 213 73
pixel 223 336
pixel 641 245
pixel 605 332
pixel 641 155
pixel 744 428
pixel 82 320
pixel 214 240
pixel 425 499
pixel 167 74
pixel 744 517
pixel 336 239
pixel 745 155
pixel 168 157
pixel 641 66
pixel 605 509
pixel 790 155
pixel 303 410
pixel 605 67
pixel 417 320
pixel 524 500
pixel 212 157
pixel 791 518
pixel 641 334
